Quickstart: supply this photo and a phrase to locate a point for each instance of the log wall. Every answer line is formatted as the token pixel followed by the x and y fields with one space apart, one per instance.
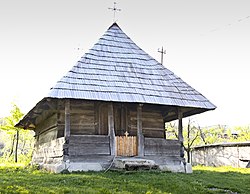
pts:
pixel 152 123
pixel 90 149
pixel 161 147
pixel 89 144
pixel 90 118
pixel 82 119
pixel 47 130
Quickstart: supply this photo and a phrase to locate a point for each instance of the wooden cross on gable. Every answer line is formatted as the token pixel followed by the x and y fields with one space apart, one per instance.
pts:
pixel 114 9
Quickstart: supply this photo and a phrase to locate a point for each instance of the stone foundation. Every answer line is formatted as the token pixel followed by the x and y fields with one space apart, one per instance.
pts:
pixel 72 167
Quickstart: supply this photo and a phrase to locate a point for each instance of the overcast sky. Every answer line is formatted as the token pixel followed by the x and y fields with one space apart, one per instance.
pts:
pixel 207 44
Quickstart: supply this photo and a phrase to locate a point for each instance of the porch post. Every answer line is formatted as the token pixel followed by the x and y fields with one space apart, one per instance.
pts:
pixel 180 132
pixel 67 126
pixel 67 120
pixel 140 137
pixel 111 129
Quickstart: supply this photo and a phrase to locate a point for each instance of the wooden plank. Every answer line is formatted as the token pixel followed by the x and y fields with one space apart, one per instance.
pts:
pixel 162 150
pixel 89 144
pixel 126 146
pixel 180 132
pixel 153 141
pixel 82 118
pixel 160 146
pixel 47 136
pixel 86 149
pixel 89 139
pixel 67 120
pixel 140 137
pixel 103 119
pixel 80 129
pixel 111 129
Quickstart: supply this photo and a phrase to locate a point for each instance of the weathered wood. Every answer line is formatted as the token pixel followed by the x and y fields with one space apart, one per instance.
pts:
pixel 161 147
pixel 47 131
pixel 43 126
pixel 123 118
pixel 111 132
pixel 82 119
pixel 67 121
pixel 82 129
pixel 140 137
pixel 47 135
pixel 80 145
pixel 103 119
pixel 95 139
pixel 180 132
pixel 87 149
pixel 96 117
pixel 152 123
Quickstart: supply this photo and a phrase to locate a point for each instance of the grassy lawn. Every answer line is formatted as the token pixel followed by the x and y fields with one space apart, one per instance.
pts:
pixel 203 180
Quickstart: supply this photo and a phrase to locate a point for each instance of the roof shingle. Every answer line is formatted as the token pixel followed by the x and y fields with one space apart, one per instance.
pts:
pixel 116 69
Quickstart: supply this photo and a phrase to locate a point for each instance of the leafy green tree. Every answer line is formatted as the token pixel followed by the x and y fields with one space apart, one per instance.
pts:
pixel 16 140
pixel 213 134
pixel 241 134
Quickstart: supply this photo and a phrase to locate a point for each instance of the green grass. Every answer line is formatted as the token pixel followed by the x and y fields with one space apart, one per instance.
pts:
pixel 18 179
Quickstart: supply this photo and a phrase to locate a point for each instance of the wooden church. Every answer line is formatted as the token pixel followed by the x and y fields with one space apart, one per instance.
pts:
pixel 111 109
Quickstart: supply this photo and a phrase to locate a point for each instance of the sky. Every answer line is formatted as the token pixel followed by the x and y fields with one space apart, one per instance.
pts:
pixel 207 44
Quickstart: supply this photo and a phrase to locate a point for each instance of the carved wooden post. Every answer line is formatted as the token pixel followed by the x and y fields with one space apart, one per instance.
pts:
pixel 67 126
pixel 111 129
pixel 140 137
pixel 180 132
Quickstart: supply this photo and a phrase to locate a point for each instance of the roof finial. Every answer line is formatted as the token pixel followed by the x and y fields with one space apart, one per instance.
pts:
pixel 162 51
pixel 114 9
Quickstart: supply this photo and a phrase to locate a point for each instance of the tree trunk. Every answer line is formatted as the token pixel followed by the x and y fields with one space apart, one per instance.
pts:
pixel 17 141
pixel 188 156
pixel 12 145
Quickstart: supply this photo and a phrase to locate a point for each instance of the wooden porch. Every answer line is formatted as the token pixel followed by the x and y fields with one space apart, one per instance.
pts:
pixel 122 145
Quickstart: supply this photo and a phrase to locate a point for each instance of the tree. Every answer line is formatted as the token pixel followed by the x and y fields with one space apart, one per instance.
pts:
pixel 9 126
pixel 241 134
pixel 191 135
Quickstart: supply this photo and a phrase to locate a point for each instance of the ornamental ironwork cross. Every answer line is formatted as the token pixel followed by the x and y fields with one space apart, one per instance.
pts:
pixel 162 51
pixel 114 9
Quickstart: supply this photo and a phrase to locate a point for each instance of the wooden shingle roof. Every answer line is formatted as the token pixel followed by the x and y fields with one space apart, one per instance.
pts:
pixel 117 70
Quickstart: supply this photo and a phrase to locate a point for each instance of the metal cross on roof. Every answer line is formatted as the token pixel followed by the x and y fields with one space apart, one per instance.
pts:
pixel 162 51
pixel 114 9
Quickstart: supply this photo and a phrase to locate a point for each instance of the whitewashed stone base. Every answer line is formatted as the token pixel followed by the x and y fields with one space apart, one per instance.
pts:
pixel 173 168
pixel 72 167
pixel 78 166
pixel 189 169
pixel 177 168
pixel 123 162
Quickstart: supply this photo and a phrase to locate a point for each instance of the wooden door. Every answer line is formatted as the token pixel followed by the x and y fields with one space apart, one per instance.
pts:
pixel 126 145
